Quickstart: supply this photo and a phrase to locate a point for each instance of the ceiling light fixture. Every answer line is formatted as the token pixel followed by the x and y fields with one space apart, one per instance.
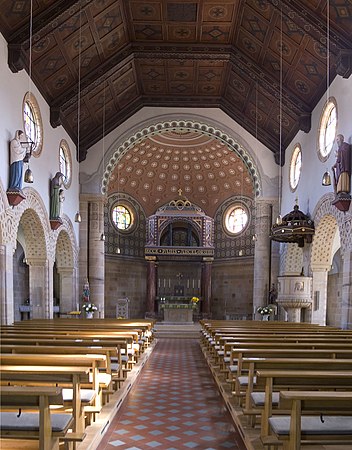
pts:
pixel 78 218
pixel 28 175
pixel 279 217
pixel 326 181
pixel 255 237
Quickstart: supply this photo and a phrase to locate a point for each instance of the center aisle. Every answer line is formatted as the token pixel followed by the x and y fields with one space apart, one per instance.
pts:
pixel 174 405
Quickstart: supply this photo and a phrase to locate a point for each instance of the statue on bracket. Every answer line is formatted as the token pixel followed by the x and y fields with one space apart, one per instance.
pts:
pixel 20 153
pixel 342 174
pixel 56 198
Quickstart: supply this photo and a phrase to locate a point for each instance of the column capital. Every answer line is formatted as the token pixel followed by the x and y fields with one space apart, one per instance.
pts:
pixel 89 198
pixel 208 260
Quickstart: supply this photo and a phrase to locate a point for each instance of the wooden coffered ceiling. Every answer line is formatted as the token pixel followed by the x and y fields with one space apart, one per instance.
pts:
pixel 117 56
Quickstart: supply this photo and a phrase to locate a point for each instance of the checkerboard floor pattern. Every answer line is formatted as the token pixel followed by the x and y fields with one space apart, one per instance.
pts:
pixel 174 405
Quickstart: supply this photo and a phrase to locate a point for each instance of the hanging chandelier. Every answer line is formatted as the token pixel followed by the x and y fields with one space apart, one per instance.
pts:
pixel 295 227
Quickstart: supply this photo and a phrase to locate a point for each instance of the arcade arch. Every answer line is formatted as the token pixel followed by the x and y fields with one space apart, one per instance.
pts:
pixel 27 228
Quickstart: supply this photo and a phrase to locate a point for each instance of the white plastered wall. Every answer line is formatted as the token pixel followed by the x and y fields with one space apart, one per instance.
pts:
pixel 13 87
pixel 310 190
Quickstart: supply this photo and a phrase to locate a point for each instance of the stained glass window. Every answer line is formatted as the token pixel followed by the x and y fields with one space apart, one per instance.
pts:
pixel 121 217
pixel 327 130
pixel 236 219
pixel 65 162
pixel 32 121
pixel 295 167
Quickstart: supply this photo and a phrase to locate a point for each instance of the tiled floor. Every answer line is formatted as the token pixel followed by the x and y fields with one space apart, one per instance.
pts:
pixel 174 405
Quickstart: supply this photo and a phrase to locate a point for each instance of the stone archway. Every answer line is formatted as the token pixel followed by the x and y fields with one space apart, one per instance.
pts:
pixel 36 256
pixel 42 247
pixel 190 125
pixel 66 267
pixel 328 222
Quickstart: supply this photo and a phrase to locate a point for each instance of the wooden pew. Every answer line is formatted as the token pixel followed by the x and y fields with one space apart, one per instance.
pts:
pixel 280 380
pixel 18 423
pixel 329 421
pixel 255 392
pixel 122 344
pixel 113 369
pixel 55 375
pixel 236 369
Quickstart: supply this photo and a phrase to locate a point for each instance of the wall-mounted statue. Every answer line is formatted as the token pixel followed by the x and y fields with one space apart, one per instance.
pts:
pixel 55 186
pixel 342 167
pixel 19 153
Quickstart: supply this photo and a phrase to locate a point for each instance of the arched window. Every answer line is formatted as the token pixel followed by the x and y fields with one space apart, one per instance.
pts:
pixel 295 167
pixel 65 163
pixel 32 122
pixel 327 129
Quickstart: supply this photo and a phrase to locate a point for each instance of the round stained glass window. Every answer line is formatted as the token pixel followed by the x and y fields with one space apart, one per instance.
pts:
pixel 121 217
pixel 236 219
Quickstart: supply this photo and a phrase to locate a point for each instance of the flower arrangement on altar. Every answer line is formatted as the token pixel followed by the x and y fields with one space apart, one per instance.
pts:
pixel 194 302
pixel 264 310
pixel 89 307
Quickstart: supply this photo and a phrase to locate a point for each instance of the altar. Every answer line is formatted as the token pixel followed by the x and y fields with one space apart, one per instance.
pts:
pixel 178 314
pixel 176 309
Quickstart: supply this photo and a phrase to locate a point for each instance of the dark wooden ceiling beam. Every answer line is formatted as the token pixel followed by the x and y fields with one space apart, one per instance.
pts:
pixel 231 54
pixel 92 138
pixel 344 63
pixel 47 20
pixel 312 24
pixel 93 79
pixel 263 136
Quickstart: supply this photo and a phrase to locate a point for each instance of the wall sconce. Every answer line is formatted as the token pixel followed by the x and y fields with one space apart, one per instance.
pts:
pixel 326 180
pixel 254 237
pixel 78 217
pixel 102 237
pixel 28 176
pixel 240 253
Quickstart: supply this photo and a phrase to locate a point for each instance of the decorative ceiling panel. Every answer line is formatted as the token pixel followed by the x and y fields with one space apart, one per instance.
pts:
pixel 181 53
pixel 205 169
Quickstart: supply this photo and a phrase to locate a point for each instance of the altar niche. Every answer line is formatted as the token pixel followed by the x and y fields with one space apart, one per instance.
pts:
pixel 179 233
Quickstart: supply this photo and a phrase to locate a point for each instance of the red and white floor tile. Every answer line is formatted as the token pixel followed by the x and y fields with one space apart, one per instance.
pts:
pixel 174 405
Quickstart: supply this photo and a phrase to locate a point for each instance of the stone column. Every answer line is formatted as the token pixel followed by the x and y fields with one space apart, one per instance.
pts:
pixel 151 284
pixel 67 290
pixel 92 245
pixel 41 287
pixel 6 284
pixel 346 295
pixel 206 284
pixel 320 284
pixel 261 255
pixel 83 246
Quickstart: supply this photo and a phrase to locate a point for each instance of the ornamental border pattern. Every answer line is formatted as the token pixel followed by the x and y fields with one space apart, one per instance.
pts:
pixel 157 128
pixel 10 219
